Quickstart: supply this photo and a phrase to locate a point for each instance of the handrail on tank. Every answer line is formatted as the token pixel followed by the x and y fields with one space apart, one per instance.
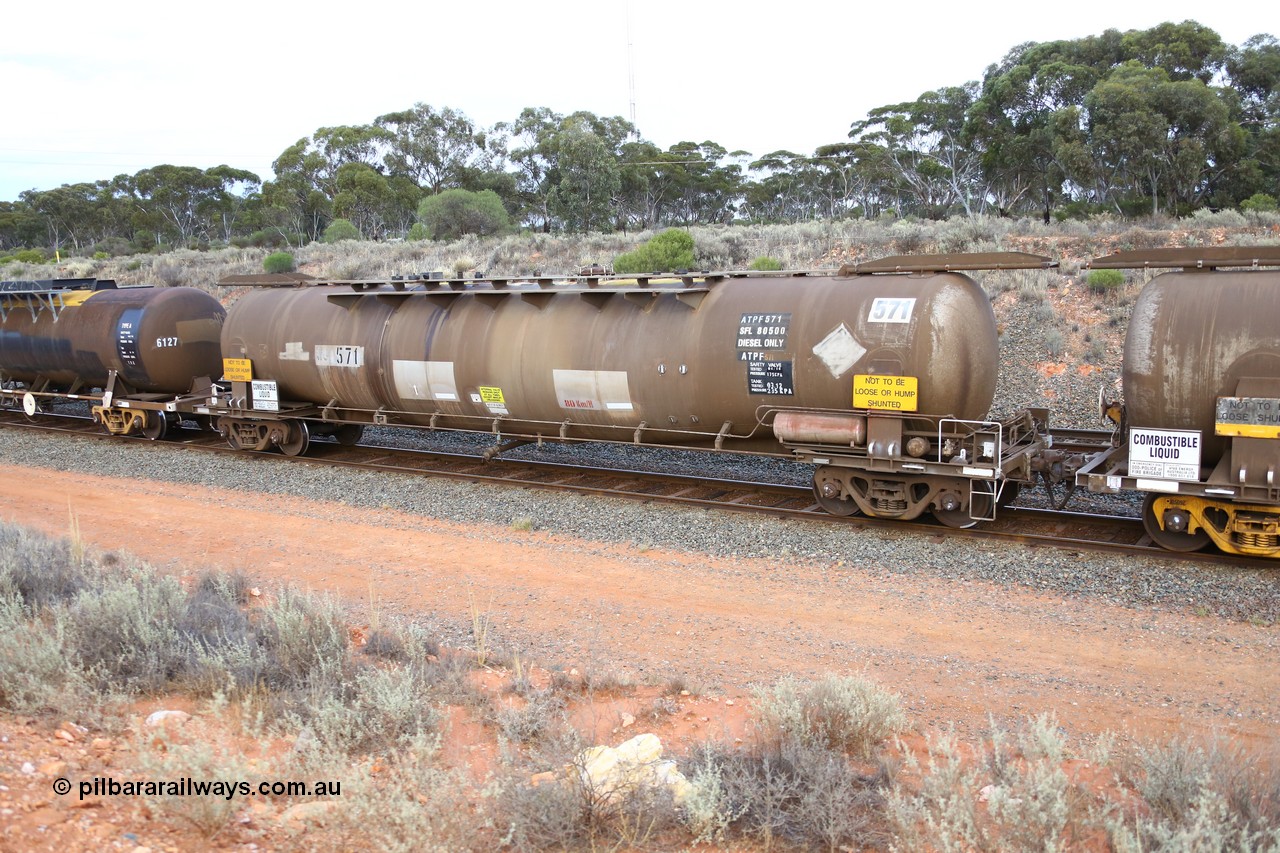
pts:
pixel 684 280
pixel 37 287
pixel 954 262
pixel 1196 258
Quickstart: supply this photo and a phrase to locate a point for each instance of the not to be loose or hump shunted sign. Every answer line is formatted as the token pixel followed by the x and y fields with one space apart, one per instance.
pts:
pixel 1168 454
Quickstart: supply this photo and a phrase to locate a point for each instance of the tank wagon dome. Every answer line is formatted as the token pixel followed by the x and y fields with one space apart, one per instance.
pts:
pixel 692 358
pixel 156 339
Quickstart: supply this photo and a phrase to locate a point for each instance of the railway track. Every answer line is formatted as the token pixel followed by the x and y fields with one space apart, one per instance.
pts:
pixel 1015 525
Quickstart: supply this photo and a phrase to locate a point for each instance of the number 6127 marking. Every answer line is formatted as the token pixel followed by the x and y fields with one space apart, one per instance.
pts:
pixel 887 309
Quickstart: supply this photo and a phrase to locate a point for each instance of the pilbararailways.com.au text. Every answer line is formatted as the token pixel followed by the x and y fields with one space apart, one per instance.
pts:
pixel 106 786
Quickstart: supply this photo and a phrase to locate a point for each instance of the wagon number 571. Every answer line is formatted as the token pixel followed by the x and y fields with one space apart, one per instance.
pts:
pixel 887 309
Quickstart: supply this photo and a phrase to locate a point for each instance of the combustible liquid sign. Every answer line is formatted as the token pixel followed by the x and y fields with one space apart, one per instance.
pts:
pixel 886 393
pixel 1167 454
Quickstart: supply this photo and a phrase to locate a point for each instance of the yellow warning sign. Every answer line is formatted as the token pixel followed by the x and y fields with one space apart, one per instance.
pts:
pixel 490 394
pixel 237 369
pixel 885 393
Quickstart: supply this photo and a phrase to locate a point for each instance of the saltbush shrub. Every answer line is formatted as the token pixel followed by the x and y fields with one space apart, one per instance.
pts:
pixel 764 263
pixel 837 712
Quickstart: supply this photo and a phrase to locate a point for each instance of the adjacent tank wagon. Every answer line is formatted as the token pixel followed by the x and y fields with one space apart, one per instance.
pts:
pixel 1199 427
pixel 71 336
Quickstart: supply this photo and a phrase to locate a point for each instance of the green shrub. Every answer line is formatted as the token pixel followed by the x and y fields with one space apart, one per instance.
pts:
pixel 418 231
pixel 266 240
pixel 764 263
pixel 455 213
pixel 30 256
pixel 340 229
pixel 1100 281
pixel 144 241
pixel 277 262
pixel 668 251
pixel 1259 203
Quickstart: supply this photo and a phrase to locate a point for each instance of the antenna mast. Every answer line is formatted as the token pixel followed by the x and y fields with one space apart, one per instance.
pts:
pixel 631 75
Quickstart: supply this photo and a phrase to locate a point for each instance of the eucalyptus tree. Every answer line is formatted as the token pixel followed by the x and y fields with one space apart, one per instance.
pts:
pixel 533 154
pixel 363 196
pixel 1159 139
pixel 1254 69
pixel 568 168
pixel 191 203
pixel 1026 118
pixel 783 188
pixel 707 182
pixel 66 213
pixel 438 149
pixel 19 225
pixel 588 178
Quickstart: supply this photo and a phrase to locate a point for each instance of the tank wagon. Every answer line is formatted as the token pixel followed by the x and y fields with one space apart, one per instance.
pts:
pixel 1198 429
pixel 142 348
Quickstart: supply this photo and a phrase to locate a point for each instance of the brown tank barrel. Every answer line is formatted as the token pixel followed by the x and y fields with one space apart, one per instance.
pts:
pixel 610 359
pixel 156 339
pixel 1191 338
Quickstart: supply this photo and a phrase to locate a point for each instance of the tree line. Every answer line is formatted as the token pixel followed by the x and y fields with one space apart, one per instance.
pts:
pixel 1160 121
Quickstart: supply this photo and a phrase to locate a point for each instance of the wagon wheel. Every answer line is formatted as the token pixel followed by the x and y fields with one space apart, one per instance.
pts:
pixel 348 434
pixel 156 426
pixel 233 440
pixel 834 504
pixel 1170 540
pixel 298 440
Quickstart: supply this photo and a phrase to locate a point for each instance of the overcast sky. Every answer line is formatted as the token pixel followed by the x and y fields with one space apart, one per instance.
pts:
pixel 93 89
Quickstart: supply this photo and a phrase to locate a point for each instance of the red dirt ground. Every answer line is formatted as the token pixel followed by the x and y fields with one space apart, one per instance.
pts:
pixel 956 652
